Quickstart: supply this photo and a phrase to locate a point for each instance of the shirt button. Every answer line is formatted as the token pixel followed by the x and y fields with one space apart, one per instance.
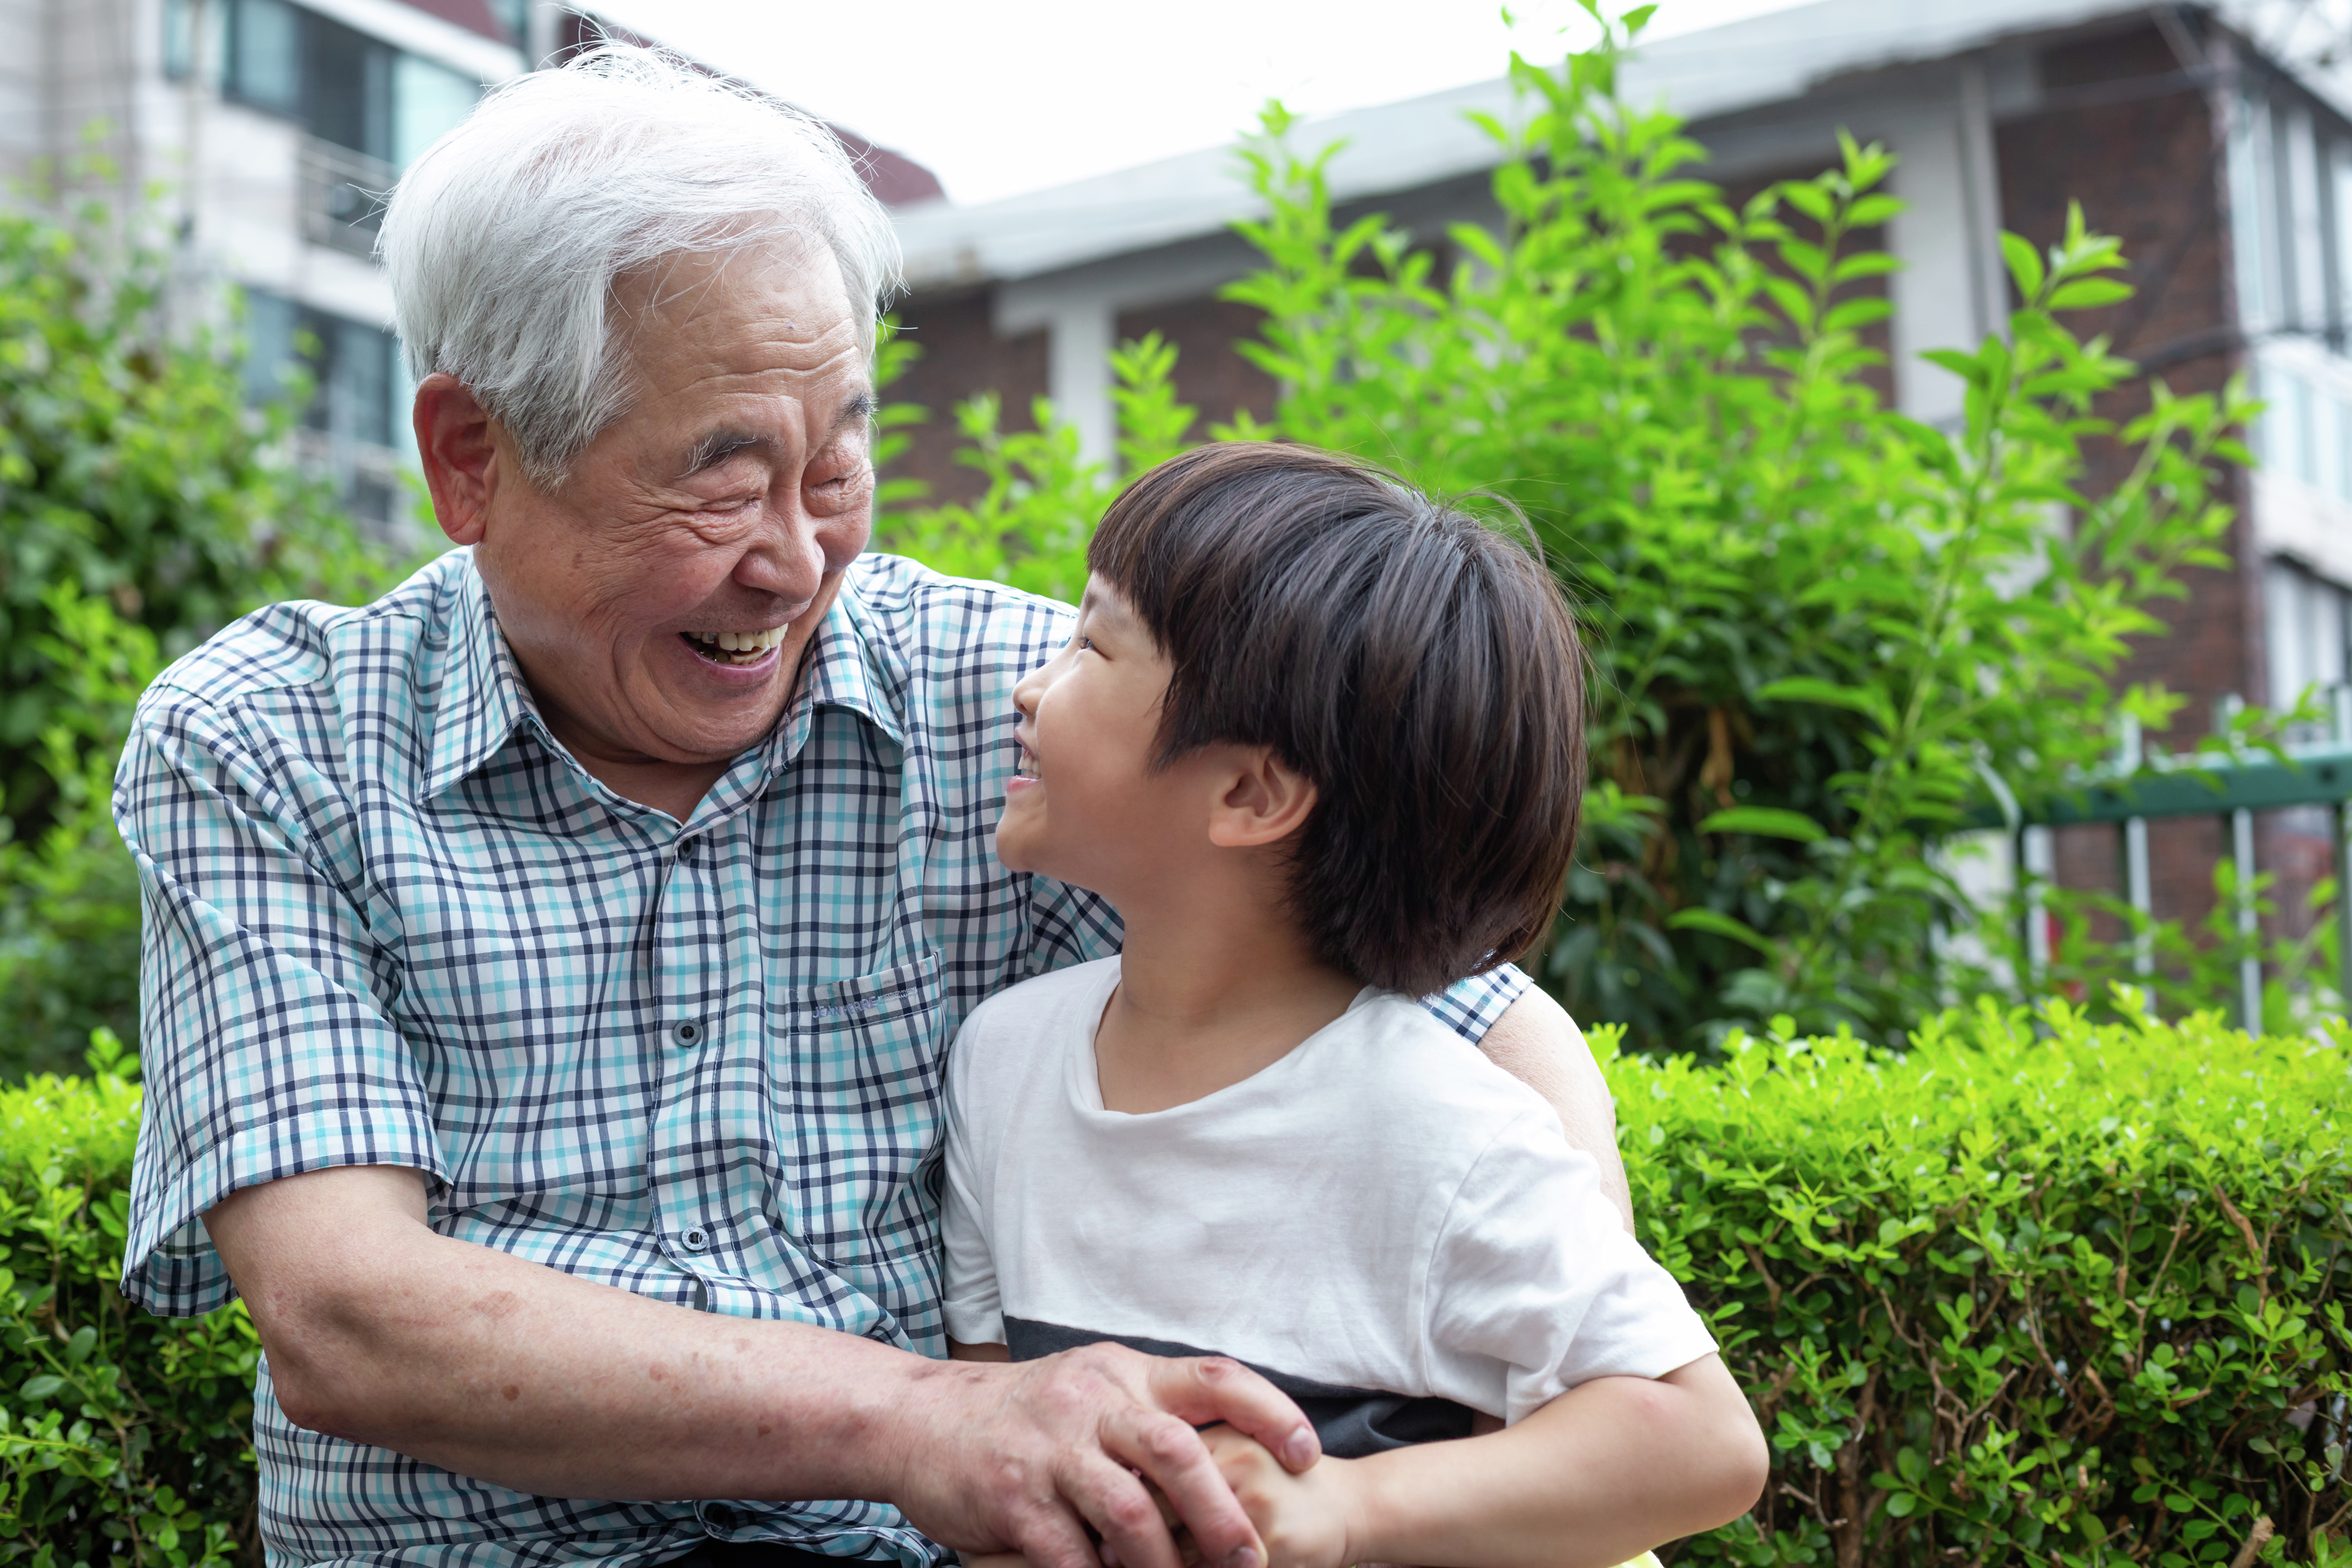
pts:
pixel 688 1033
pixel 696 1238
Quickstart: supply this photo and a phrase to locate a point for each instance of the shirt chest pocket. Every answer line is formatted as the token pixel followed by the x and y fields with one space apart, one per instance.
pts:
pixel 857 1114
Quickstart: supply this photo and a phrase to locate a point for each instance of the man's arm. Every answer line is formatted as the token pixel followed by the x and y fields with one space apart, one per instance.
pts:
pixel 1538 1043
pixel 382 1331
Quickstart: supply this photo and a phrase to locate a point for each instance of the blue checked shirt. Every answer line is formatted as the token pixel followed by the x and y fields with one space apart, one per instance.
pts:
pixel 391 920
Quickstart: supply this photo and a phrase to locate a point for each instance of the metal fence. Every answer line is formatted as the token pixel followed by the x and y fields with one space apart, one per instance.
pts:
pixel 2232 786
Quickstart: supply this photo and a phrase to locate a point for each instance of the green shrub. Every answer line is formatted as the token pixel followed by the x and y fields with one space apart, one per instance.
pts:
pixel 142 505
pixel 2078 1297
pixel 123 1435
pixel 2036 1292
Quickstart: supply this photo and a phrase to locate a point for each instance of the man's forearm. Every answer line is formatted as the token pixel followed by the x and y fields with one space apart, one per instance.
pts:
pixel 495 1367
pixel 382 1332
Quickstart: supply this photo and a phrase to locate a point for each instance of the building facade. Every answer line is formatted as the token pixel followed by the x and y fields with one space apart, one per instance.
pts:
pixel 2225 169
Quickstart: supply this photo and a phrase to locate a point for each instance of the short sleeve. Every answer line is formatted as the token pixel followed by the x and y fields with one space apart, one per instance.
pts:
pixel 1469 1008
pixel 974 1308
pixel 265 1039
pixel 1532 1269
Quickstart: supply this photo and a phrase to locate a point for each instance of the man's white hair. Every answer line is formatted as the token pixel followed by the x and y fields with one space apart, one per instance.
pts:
pixel 505 240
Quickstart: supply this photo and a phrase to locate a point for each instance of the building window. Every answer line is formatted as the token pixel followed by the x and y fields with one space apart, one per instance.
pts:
pixel 2309 619
pixel 346 89
pixel 357 416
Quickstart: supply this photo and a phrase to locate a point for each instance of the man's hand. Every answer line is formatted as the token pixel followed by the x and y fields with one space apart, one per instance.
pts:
pixel 384 1331
pixel 1079 1435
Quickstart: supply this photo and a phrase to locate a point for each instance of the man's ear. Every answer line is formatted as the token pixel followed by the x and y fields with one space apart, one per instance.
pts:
pixel 459 443
pixel 1264 800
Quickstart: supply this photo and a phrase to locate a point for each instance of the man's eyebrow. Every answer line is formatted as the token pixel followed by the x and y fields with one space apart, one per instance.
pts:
pixel 720 445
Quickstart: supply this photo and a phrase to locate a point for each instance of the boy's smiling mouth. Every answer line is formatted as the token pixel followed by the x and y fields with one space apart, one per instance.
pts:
pixel 1025 766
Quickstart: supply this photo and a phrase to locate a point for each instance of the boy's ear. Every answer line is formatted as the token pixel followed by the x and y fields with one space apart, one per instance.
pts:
pixel 1263 801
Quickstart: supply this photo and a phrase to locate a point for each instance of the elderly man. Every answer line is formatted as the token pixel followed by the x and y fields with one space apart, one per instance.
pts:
pixel 550 966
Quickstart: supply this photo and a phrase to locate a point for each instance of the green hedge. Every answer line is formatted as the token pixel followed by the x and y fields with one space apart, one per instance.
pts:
pixel 122 1434
pixel 2035 1292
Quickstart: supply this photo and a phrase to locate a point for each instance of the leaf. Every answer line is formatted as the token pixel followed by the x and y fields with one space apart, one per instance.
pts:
pixel 1873 210
pixel 2024 264
pixel 1706 920
pixel 41 1387
pixel 1765 821
pixel 2088 293
pixel 1811 689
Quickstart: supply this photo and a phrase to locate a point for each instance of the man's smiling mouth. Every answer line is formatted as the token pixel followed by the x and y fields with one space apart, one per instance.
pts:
pixel 735 648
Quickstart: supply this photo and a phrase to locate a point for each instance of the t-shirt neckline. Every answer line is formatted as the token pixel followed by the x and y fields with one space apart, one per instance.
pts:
pixel 1086 1074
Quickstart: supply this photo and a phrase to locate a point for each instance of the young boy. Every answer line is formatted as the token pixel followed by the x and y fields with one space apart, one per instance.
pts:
pixel 1319 741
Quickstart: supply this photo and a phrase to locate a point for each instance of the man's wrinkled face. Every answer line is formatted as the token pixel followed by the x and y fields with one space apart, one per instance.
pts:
pixel 661 598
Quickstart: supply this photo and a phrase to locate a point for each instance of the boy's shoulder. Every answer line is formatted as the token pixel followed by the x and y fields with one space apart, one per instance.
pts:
pixel 1032 1022
pixel 1403 1070
pixel 1022 1003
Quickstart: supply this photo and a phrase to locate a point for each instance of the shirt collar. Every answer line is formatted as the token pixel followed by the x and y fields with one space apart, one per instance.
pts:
pixel 481 699
pixel 851 666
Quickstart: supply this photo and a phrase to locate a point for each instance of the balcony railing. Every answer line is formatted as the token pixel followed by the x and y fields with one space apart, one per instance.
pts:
pixel 342 196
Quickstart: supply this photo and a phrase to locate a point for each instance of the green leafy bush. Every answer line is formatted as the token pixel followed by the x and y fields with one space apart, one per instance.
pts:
pixel 144 503
pixel 123 1435
pixel 2037 1291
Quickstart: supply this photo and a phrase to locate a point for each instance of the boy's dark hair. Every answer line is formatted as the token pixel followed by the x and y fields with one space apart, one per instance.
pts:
pixel 1422 670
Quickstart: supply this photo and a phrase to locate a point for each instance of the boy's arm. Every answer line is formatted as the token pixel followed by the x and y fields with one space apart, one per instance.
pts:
pixel 1596 1477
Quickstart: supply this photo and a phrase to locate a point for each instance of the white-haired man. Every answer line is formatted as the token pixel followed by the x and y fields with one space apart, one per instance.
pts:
pixel 550 966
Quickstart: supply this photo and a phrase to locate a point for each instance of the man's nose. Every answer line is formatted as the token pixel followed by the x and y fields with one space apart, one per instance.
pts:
pixel 787 556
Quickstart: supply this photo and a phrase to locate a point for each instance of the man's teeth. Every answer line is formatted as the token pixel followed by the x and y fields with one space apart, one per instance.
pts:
pixel 739 648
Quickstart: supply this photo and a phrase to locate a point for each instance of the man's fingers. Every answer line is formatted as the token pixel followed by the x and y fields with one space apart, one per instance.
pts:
pixel 1205 1389
pixel 1050 1538
pixel 1173 1458
pixel 1120 1506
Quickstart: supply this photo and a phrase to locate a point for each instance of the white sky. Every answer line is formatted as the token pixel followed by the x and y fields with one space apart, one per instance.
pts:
pixel 997 97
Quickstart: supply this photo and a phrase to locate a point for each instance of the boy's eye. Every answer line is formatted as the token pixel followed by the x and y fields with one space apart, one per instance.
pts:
pixel 1085 644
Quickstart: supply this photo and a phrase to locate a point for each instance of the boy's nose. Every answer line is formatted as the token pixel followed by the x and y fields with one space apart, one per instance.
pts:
pixel 1025 694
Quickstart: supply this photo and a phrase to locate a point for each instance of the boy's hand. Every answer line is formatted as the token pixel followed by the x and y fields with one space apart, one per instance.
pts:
pixel 1306 1520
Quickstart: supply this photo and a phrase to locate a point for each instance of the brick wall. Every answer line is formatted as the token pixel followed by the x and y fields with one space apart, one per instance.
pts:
pixel 2134 141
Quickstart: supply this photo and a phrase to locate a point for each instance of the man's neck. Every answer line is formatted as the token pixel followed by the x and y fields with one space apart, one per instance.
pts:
pixel 1213 989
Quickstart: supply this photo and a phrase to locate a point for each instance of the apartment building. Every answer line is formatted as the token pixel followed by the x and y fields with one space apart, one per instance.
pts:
pixel 2220 153
pixel 273 127
pixel 269 128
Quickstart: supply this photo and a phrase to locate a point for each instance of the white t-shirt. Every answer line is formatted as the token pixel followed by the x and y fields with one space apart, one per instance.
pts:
pixel 1385 1222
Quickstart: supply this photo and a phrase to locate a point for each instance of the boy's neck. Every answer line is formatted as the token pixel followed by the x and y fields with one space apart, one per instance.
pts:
pixel 1212 989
